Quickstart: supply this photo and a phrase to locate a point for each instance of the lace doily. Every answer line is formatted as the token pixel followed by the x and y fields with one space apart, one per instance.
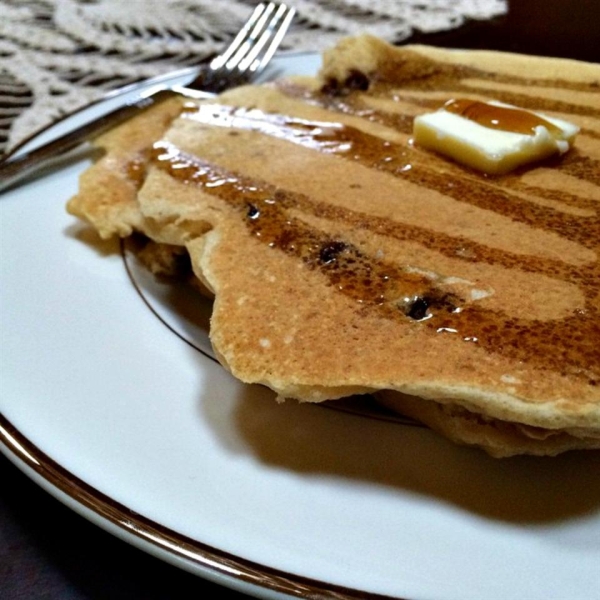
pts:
pixel 58 55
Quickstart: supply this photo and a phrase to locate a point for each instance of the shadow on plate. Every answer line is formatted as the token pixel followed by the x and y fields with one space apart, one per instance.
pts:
pixel 92 240
pixel 311 439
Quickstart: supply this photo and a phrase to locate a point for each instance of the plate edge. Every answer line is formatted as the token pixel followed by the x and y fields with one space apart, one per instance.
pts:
pixel 196 557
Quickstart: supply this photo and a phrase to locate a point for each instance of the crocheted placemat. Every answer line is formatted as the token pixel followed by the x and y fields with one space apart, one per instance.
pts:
pixel 58 55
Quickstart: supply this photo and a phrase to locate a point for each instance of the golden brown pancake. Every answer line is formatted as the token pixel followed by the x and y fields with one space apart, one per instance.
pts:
pixel 344 259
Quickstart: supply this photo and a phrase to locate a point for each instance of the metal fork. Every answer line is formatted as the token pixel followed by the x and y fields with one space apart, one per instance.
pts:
pixel 251 50
pixel 246 56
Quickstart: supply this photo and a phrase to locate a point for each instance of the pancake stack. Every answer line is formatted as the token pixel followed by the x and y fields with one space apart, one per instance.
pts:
pixel 344 259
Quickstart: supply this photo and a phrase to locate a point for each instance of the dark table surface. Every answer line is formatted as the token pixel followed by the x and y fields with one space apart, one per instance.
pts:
pixel 47 551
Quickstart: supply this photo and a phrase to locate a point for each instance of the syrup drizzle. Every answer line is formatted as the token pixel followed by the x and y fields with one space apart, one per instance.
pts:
pixel 401 161
pixel 376 285
pixel 513 120
pixel 568 346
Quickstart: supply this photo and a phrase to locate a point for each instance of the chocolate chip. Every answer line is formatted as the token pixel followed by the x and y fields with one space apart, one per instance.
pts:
pixel 253 212
pixel 329 252
pixel 417 308
pixel 331 87
pixel 357 80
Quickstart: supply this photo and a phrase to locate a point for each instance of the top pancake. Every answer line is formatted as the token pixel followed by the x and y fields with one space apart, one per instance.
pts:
pixel 344 259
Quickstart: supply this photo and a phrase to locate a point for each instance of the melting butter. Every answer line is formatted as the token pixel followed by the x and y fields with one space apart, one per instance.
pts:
pixel 492 137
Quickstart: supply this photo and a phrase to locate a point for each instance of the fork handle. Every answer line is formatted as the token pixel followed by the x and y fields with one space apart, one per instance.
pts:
pixel 15 169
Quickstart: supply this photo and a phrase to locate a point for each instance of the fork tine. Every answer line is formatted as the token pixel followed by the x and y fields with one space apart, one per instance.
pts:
pixel 250 41
pixel 219 61
pixel 249 53
pixel 276 41
pixel 276 31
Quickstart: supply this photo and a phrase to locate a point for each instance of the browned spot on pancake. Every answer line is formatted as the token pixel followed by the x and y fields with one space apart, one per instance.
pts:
pixel 582 167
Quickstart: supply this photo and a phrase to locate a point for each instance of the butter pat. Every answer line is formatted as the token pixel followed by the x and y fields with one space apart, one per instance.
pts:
pixel 492 137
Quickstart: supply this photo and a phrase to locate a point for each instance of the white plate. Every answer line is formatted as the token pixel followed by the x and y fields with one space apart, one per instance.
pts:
pixel 109 410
